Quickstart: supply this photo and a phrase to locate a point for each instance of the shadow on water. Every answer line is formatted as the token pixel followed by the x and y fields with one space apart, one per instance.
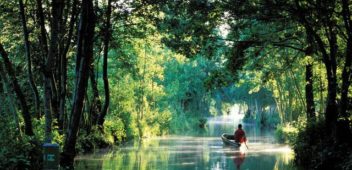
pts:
pixel 201 150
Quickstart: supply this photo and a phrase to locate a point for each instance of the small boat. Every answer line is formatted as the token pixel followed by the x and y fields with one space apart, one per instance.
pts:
pixel 228 139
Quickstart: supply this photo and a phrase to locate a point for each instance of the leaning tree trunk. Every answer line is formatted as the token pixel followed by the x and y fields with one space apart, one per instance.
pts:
pixel 83 58
pixel 105 66
pixel 17 89
pixel 29 62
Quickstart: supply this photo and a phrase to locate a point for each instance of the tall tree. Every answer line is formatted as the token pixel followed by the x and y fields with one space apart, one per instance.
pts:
pixel 347 70
pixel 46 75
pixel 83 58
pixel 105 66
pixel 29 60
pixel 63 65
pixel 50 55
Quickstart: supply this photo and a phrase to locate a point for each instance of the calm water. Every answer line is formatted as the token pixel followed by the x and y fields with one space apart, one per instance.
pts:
pixel 196 150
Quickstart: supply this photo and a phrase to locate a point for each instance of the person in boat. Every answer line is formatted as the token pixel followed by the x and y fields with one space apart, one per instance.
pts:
pixel 240 135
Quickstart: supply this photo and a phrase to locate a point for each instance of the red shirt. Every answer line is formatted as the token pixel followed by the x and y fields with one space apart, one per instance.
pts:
pixel 240 136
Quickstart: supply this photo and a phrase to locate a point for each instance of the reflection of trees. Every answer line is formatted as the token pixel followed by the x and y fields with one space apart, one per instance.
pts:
pixel 89 163
pixel 142 156
pixel 184 153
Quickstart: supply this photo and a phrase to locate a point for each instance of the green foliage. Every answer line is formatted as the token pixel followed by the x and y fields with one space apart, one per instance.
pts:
pixel 315 150
pixel 39 127
pixel 91 140
pixel 288 132
pixel 218 53
pixel 17 151
pixel 115 129
pixel 184 124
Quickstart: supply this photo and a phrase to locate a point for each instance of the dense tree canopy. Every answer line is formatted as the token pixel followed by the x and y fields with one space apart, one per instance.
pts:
pixel 88 74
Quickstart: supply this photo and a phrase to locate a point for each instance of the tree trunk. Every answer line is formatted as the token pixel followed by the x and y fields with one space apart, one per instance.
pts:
pixel 329 60
pixel 63 67
pixel 29 62
pixel 309 82
pixel 47 95
pixel 50 57
pixel 17 89
pixel 52 62
pixel 95 107
pixel 344 133
pixel 84 57
pixel 47 109
pixel 309 93
pixel 41 22
pixel 347 70
pixel 105 66
pixel 330 63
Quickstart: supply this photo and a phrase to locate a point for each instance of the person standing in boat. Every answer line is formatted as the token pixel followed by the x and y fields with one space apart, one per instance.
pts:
pixel 240 135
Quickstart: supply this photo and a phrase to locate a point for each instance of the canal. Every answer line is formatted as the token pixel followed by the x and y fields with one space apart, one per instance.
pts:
pixel 198 150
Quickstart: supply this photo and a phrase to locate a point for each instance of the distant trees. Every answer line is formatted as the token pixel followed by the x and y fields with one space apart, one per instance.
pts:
pixel 319 32
pixel 324 38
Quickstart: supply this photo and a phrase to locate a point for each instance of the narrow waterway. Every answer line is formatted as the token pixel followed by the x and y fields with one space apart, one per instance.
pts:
pixel 196 150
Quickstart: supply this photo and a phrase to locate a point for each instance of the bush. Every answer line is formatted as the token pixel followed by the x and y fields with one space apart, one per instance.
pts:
pixel 115 129
pixel 17 150
pixel 39 129
pixel 316 149
pixel 286 133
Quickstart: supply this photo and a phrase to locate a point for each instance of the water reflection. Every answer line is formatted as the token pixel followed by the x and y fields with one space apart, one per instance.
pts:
pixel 238 158
pixel 203 150
pixel 188 153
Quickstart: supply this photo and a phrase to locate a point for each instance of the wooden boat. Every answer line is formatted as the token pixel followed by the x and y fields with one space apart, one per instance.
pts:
pixel 228 139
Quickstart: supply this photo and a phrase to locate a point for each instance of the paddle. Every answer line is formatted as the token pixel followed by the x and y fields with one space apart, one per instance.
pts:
pixel 246 145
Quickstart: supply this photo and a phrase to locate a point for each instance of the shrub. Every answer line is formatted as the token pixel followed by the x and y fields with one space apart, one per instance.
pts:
pixel 115 129
pixel 17 150
pixel 316 149
pixel 39 129
pixel 286 133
